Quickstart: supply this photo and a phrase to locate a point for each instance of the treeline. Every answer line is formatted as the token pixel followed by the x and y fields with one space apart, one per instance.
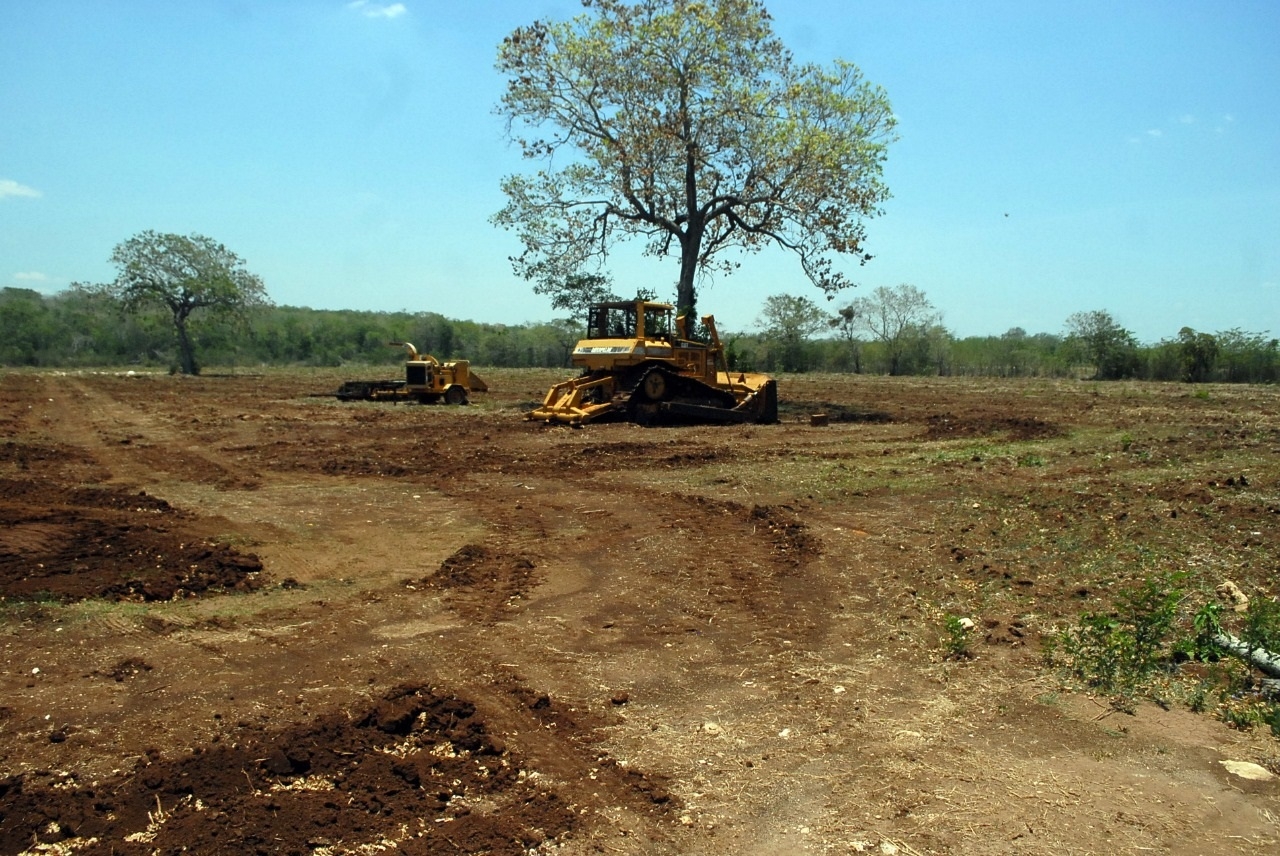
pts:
pixel 81 327
pixel 1231 356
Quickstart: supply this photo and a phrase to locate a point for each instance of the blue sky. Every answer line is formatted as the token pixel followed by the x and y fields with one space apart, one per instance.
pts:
pixel 1055 157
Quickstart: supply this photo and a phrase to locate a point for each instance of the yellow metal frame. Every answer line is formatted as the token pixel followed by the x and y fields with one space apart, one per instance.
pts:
pixel 604 358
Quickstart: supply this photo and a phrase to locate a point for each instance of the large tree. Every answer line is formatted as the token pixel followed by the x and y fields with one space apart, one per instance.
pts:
pixel 688 124
pixel 183 273
pixel 577 293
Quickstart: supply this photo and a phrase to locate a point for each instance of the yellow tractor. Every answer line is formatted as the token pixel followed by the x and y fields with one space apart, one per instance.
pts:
pixel 427 380
pixel 638 363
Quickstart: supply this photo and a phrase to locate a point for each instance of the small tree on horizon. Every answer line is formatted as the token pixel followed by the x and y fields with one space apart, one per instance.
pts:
pixel 789 322
pixel 1198 352
pixel 1101 341
pixel 845 323
pixel 900 318
pixel 185 274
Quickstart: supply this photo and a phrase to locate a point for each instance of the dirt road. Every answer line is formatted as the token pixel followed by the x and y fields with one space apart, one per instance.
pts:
pixel 240 619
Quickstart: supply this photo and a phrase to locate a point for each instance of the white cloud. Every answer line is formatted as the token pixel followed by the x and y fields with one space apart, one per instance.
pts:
pixel 378 10
pixel 1187 119
pixel 9 187
pixel 30 276
pixel 1155 132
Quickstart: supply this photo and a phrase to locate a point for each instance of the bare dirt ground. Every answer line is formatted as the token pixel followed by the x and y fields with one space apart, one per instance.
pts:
pixel 239 619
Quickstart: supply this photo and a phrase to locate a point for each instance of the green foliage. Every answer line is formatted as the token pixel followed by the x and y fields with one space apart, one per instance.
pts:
pixel 788 324
pixel 1230 356
pixel 1013 354
pixel 84 326
pixel 903 322
pixel 26 327
pixel 689 126
pixel 1102 342
pixel 956 642
pixel 1133 651
pixel 1118 652
pixel 1262 624
pixel 1237 703
pixel 1207 623
pixel 1247 358
pixel 1197 353
pixel 1244 710
pixel 577 292
pixel 185 275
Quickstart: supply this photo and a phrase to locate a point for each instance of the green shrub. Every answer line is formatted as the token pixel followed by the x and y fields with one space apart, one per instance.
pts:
pixel 956 642
pixel 1120 651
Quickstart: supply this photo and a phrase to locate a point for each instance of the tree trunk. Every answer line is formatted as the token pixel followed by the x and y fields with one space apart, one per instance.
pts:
pixel 686 292
pixel 186 350
pixel 1259 658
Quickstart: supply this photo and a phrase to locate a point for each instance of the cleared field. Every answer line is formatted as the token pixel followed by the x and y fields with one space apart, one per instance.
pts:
pixel 239 617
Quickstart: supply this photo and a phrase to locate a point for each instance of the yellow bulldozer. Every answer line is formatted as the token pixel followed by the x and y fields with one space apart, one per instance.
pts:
pixel 426 381
pixel 639 363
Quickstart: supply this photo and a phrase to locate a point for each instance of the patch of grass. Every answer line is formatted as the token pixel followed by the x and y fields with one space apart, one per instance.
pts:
pixel 36 599
pixel 46 610
pixel 812 476
pixel 1245 712
pixel 1196 696
pixel 37 608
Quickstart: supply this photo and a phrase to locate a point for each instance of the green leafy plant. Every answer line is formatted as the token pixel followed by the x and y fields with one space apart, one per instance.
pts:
pixel 956 642
pixel 1207 624
pixel 1262 624
pixel 1119 652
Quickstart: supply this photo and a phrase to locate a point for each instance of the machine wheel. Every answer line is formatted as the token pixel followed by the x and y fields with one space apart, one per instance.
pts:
pixel 654 385
pixel 455 395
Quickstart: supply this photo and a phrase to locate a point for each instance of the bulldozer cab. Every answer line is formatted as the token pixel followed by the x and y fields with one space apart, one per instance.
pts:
pixel 631 319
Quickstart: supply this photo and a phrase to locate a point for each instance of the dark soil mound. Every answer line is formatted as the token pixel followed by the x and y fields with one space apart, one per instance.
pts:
pixel 68 544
